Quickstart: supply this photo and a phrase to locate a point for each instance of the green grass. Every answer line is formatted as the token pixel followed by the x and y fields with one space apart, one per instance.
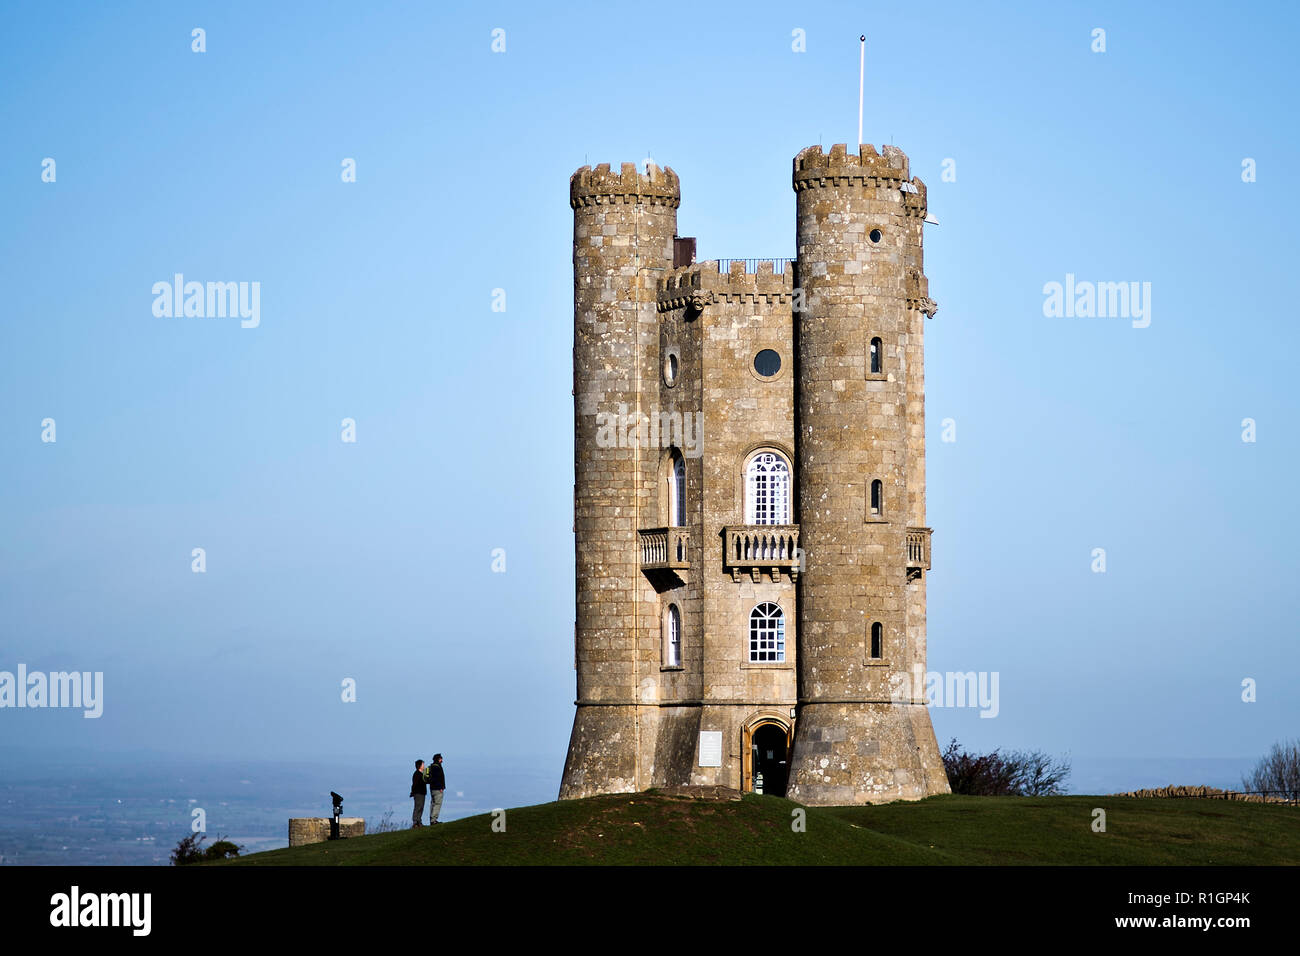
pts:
pixel 651 828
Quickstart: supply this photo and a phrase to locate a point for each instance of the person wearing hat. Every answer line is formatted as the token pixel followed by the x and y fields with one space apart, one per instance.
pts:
pixel 437 784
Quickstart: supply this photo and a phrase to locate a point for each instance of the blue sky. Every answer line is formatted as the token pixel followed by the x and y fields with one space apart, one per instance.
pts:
pixel 372 560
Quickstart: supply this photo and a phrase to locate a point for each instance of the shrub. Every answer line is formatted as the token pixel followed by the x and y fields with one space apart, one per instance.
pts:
pixel 190 850
pixel 1015 774
pixel 1279 770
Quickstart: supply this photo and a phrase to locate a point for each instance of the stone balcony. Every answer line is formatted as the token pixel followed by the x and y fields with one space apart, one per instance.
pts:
pixel 756 548
pixel 918 551
pixel 665 549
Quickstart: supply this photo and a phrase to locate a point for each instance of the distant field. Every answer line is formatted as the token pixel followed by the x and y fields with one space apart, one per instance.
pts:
pixel 651 828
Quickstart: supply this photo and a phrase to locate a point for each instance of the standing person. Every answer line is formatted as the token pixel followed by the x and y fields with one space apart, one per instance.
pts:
pixel 417 791
pixel 437 784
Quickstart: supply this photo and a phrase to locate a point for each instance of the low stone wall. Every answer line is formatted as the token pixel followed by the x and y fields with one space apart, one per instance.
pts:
pixel 317 829
pixel 1208 793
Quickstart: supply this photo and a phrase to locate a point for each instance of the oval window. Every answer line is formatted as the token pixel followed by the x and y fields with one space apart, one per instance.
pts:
pixel 670 369
pixel 875 235
pixel 767 363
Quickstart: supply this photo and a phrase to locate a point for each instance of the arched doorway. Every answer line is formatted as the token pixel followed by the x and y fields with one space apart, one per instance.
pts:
pixel 767 756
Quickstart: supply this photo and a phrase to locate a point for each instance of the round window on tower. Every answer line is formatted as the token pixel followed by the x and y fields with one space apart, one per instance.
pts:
pixel 767 363
pixel 875 235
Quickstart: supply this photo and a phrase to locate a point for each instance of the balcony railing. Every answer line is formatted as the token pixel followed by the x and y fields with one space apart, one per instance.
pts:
pixel 665 549
pixel 918 551
pixel 761 547
pixel 751 265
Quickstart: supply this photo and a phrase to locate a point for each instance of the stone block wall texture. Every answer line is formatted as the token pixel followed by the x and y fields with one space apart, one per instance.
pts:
pixel 304 830
pixel 861 733
pixel 859 242
pixel 623 229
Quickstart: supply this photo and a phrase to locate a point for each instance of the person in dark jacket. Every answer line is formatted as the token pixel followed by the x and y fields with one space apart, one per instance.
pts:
pixel 437 784
pixel 417 791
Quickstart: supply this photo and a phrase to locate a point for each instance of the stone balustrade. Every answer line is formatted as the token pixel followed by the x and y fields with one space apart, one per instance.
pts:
pixel 665 549
pixel 761 547
pixel 918 551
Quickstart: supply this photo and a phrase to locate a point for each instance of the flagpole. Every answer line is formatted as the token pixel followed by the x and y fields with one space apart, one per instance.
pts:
pixel 862 66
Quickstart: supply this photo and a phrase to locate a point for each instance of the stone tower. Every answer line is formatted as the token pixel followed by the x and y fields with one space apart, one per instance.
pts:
pixel 863 731
pixel 749 497
pixel 623 229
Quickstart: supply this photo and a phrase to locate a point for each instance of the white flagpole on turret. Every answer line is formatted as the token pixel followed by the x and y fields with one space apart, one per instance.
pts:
pixel 862 66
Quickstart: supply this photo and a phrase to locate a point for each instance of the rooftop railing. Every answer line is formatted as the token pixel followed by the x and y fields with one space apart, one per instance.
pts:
pixel 751 265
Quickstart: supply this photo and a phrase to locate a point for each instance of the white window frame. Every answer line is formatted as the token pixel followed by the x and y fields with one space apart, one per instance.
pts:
pixel 767 634
pixel 767 489
pixel 672 636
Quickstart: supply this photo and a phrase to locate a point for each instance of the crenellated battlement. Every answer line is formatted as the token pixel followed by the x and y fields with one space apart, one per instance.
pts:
pixel 814 169
pixel 599 186
pixel 706 280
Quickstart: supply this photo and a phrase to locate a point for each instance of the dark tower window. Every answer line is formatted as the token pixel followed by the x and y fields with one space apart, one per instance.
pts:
pixel 877 640
pixel 875 355
pixel 877 497
pixel 875 235
pixel 767 363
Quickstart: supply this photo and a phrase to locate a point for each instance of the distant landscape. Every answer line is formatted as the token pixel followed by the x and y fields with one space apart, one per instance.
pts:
pixel 91 809
pixel 87 810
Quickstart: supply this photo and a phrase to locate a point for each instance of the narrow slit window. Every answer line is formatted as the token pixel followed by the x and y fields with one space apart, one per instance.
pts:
pixel 875 355
pixel 679 493
pixel 877 497
pixel 673 637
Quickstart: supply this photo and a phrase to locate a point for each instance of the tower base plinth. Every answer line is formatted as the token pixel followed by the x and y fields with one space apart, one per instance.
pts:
pixel 855 753
pixel 602 752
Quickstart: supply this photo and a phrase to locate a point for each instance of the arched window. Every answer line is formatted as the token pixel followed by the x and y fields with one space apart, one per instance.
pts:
pixel 677 493
pixel 767 490
pixel 767 633
pixel 672 637
pixel 877 497
pixel 877 640
pixel 875 355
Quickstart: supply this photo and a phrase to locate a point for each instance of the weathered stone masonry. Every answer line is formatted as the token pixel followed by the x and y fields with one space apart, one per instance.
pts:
pixel 669 344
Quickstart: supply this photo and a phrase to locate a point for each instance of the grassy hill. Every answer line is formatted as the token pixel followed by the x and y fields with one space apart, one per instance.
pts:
pixel 655 828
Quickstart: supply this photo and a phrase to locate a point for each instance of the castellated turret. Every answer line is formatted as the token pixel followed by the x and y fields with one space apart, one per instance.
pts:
pixel 749 498
pixel 623 229
pixel 861 482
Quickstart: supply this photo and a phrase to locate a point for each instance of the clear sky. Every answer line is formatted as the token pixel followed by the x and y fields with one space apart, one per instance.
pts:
pixel 372 560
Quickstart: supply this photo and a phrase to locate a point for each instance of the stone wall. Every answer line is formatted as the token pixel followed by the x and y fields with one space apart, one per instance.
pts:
pixel 1208 793
pixel 303 830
